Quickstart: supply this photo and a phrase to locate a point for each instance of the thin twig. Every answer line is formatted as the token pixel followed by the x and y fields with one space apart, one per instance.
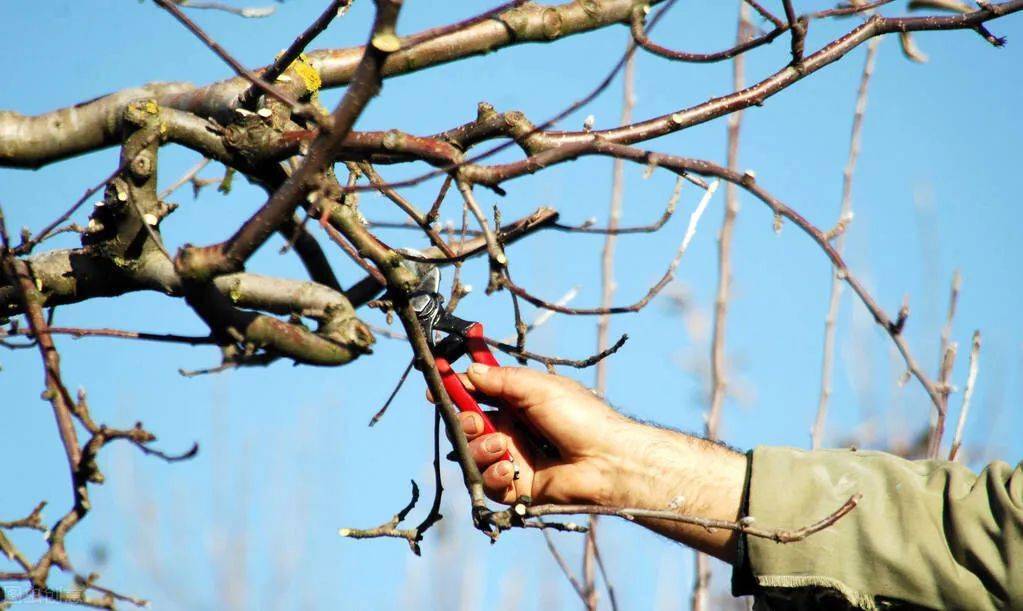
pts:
pixel 964 411
pixel 797 26
pixel 350 250
pixel 669 210
pixel 401 381
pixel 507 348
pixel 718 375
pixel 188 176
pixel 431 216
pixel 520 326
pixel 740 48
pixel 719 383
pixel 407 207
pixel 498 260
pixel 458 290
pixel 612 598
pixel 945 365
pixel 839 235
pixel 335 8
pixel 763 12
pixel 607 290
pixel 541 218
pixel 550 361
pixel 247 12
pixel 565 569
pixel 607 268
pixel 32 521
pixel 853 8
pixel 81 459
pixel 56 392
pixel 390 527
pixel 78 332
pixel 632 514
pixel 694 219
pixel 944 390
pixel 953 303
pixel 222 53
pixel 544 315
pixel 433 515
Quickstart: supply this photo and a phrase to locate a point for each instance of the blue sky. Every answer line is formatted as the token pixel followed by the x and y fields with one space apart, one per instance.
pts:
pixel 285 455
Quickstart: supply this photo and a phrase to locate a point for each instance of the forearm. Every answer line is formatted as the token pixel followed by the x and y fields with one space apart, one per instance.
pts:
pixel 662 469
pixel 603 457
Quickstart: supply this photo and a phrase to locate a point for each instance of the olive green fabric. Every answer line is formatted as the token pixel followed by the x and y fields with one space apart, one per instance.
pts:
pixel 927 534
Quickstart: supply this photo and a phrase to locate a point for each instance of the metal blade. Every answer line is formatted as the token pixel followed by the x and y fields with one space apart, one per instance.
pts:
pixel 426 299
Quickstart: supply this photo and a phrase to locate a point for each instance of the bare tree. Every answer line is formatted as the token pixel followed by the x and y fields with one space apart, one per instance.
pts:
pixel 267 124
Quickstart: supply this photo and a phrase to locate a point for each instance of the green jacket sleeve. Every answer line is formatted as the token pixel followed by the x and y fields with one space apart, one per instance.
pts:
pixel 926 534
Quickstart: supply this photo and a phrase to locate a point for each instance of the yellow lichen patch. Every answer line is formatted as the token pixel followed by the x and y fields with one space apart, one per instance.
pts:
pixel 236 292
pixel 151 107
pixel 310 76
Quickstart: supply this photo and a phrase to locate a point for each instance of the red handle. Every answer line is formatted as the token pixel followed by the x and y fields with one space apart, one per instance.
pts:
pixel 478 350
pixel 463 400
pixel 477 347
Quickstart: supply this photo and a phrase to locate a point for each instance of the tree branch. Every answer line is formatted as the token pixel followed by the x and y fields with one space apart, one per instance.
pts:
pixel 34 141
pixel 335 8
pixel 839 235
pixel 230 256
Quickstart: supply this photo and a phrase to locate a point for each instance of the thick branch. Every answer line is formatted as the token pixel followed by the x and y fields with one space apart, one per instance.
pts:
pixel 231 255
pixel 34 141
pixel 76 275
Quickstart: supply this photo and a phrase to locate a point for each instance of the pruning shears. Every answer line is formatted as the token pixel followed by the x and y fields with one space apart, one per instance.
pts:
pixel 463 337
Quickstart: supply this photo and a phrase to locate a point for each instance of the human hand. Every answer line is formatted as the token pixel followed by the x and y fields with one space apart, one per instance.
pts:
pixel 586 434
pixel 603 458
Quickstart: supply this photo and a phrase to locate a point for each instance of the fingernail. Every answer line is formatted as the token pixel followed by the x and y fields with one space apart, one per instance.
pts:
pixel 479 369
pixel 470 424
pixel 493 444
pixel 504 469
